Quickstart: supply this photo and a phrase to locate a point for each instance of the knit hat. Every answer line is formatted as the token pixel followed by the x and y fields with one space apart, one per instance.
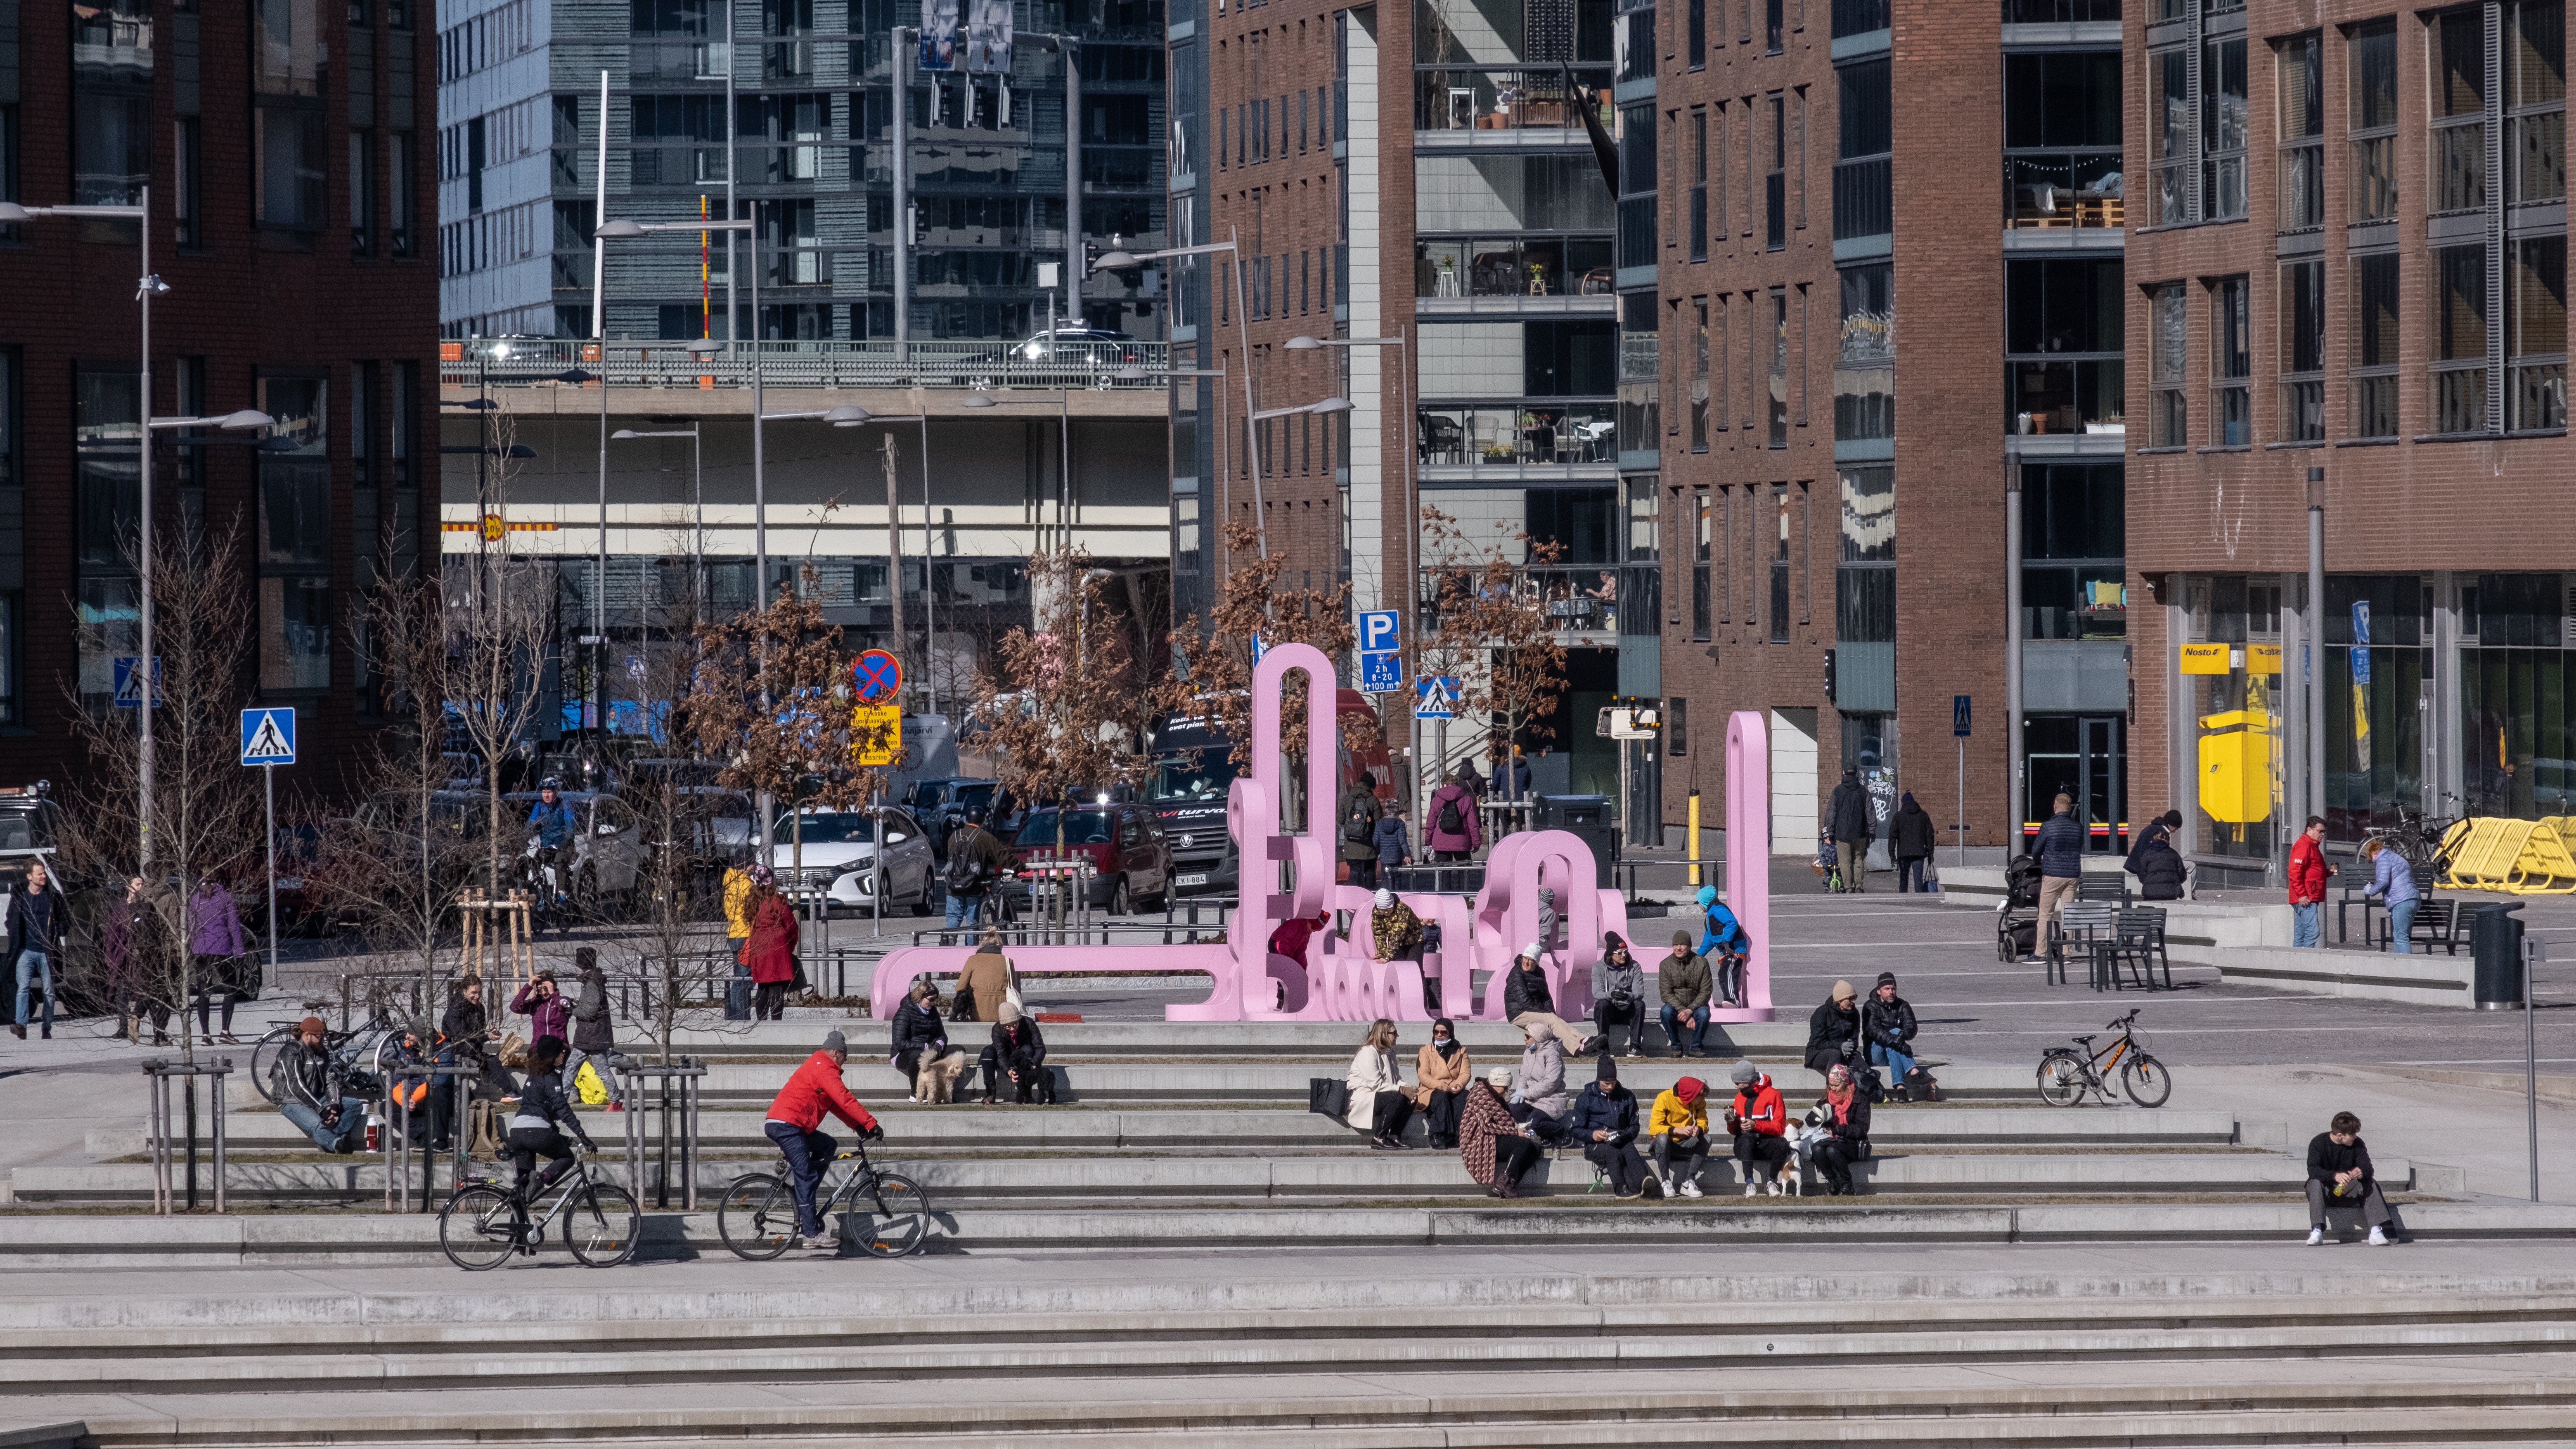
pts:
pixel 1745 1073
pixel 1612 941
pixel 1689 1089
pixel 833 1041
pixel 1681 938
pixel 1010 1012
pixel 1707 896
pixel 1500 1079
pixel 1885 978
pixel 312 1026
pixel 1608 1070
pixel 1532 950
pixel 1385 899
pixel 1843 992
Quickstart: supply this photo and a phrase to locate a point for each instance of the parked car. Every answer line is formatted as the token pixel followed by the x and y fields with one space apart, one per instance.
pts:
pixel 838 854
pixel 1131 859
pixel 941 806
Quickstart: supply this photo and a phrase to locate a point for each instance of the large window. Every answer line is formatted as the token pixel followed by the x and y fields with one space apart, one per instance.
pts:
pixel 2374 345
pixel 1778 305
pixel 2231 364
pixel 2222 130
pixel 2301 117
pixel 1865 355
pixel 1699 375
pixel 2170 313
pixel 1863 191
pixel 2169 123
pixel 1865 577
pixel 287 120
pixel 2063 341
pixel 294 546
pixel 2536 102
pixel 2457 149
pixel 1775 178
pixel 2301 331
pixel 2062 139
pixel 1699 186
pixel 2536 347
pixel 2459 339
pixel 2371 57
pixel 1701 539
pixel 111 120
pixel 2073 542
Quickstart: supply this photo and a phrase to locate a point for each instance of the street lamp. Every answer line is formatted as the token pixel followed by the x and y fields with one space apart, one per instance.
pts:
pixel 1412 598
pixel 1063 446
pixel 1120 261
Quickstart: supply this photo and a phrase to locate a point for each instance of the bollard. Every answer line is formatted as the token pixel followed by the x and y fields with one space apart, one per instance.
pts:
pixel 2496 941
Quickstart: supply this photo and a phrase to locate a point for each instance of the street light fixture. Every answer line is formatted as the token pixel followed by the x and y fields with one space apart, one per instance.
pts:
pixel 1119 261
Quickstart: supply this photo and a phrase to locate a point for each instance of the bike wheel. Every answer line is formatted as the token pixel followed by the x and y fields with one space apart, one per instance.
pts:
pixel 2062 1078
pixel 477 1228
pixel 892 1220
pixel 757 1218
pixel 603 1227
pixel 264 1059
pixel 2146 1080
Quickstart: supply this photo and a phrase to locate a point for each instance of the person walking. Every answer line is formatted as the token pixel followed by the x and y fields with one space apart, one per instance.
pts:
pixel 124 943
pixel 771 946
pixel 38 924
pixel 2339 1174
pixel 1452 833
pixel 1679 1126
pixel 976 860
pixel 1358 849
pixel 2308 875
pixel 1443 1072
pixel 2154 860
pixel 795 1120
pixel 1909 838
pixel 1511 778
pixel 1681 979
pixel 217 950
pixel 1887 1022
pixel 1847 822
pixel 1618 996
pixel 1394 847
pixel 594 1033
pixel 1604 1120
pixel 2060 848
pixel 737 911
pixel 2393 881
pixel 1759 1122
pixel 1380 1102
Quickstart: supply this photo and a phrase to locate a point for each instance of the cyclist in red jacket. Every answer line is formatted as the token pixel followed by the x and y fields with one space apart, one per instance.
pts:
pixel 794 1116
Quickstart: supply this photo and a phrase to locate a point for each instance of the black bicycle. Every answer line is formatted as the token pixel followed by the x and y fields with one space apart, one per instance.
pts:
pixel 371 1048
pixel 2068 1073
pixel 757 1218
pixel 485 1222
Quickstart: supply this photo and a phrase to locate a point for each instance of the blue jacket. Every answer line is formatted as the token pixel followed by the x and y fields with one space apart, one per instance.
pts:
pixel 1721 931
pixel 554 823
pixel 2060 847
pixel 2390 879
pixel 1597 1111
pixel 1392 847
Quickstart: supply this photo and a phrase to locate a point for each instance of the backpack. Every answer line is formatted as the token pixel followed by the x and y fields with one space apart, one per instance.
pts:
pixel 1450 822
pixel 1359 830
pixel 967 872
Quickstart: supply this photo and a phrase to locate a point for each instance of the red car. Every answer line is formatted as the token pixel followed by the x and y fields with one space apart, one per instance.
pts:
pixel 1131 862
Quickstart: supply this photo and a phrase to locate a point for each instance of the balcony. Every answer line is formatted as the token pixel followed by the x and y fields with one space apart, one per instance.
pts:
pixel 1511 438
pixel 1498 99
pixel 1100 366
pixel 2064 189
pixel 679 60
pixel 1513 267
pixel 1578 598
pixel 2051 396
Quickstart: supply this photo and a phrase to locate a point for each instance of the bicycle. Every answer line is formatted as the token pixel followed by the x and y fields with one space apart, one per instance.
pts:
pixel 484 1222
pixel 2067 1073
pixel 369 1048
pixel 757 1218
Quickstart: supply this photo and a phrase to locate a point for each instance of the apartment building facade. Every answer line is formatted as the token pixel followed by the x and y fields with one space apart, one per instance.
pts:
pixel 2347 289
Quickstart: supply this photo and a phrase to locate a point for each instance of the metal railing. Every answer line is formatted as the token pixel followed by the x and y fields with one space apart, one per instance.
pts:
pixel 2064 189
pixel 1515 436
pixel 675 1093
pixel 998 363
pixel 1514 267
pixel 160 1073
pixel 458 1079
pixel 1498 98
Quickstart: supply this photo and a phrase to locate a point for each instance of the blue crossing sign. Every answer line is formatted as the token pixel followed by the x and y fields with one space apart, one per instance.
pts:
pixel 268 736
pixel 1438 694
pixel 129 682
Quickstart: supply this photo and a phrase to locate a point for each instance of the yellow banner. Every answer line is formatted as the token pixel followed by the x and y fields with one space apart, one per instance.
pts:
pixel 2204 659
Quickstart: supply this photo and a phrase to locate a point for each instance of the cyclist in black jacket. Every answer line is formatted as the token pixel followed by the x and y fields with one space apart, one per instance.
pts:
pixel 542 1105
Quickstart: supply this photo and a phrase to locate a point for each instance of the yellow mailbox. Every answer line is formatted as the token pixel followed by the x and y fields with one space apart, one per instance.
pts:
pixel 2236 766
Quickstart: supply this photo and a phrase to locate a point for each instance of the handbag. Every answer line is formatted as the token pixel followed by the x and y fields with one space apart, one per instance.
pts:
pixel 1328 1096
pixel 514 1052
pixel 796 981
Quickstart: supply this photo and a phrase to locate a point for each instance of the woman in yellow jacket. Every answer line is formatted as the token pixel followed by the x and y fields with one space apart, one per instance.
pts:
pixel 737 907
pixel 1679 1125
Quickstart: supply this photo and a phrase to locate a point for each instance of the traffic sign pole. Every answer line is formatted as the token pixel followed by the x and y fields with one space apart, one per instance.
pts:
pixel 268 787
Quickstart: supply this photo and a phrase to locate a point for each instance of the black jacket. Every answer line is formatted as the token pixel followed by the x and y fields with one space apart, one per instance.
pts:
pixel 543 1095
pixel 21 928
pixel 2326 1157
pixel 1911 833
pixel 1527 991
pixel 465 1022
pixel 592 1031
pixel 316 1078
pixel 1888 1023
pixel 1847 812
pixel 1828 1027
pixel 1857 1128
pixel 1027 1048
pixel 917 1027
pixel 1613 1111
pixel 2158 867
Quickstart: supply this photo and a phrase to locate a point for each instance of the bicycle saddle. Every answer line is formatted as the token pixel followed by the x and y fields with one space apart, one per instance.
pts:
pixel 2084 1039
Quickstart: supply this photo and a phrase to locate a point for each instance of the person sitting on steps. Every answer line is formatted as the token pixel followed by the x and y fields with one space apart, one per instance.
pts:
pixel 1538 1092
pixel 1527 998
pixel 1844 1114
pixel 918 1034
pixel 1759 1121
pixel 1618 996
pixel 1604 1120
pixel 1017 1051
pixel 1889 1022
pixel 1443 1072
pixel 1681 979
pixel 1380 1101
pixel 2340 1175
pixel 1679 1126
pixel 1490 1144
pixel 1833 1031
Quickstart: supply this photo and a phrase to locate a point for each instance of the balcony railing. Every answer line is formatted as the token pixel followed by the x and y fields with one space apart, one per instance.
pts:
pixel 974 364
pixel 1578 598
pixel 1864 198
pixel 2059 12
pixel 1498 99
pixel 1513 267
pixel 2046 396
pixel 1517 436
pixel 678 60
pixel 2064 189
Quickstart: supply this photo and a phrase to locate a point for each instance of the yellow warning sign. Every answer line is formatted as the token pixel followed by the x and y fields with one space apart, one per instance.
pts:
pixel 876 733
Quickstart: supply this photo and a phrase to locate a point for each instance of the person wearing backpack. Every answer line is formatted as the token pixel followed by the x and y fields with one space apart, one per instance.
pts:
pixel 1454 835
pixel 1360 812
pixel 975 861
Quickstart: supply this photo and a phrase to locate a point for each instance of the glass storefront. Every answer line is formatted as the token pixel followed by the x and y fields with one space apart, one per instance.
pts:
pixel 2231 673
pixel 2378 659
pixel 2517 722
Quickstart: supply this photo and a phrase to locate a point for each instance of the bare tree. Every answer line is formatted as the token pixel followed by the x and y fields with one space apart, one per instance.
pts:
pixel 1218 649
pixel 1061 708
pixel 501 629
pixel 1485 622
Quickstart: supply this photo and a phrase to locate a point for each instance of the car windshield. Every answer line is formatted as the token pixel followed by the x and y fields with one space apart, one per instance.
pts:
pixel 834 828
pixel 24 830
pixel 1081 827
pixel 1198 776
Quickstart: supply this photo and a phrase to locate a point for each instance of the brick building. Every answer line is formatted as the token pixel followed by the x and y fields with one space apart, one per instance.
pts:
pixel 2378 293
pixel 281 140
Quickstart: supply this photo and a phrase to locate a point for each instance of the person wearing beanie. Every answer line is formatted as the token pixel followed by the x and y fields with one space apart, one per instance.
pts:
pixel 1833 1032
pixel 1679 1126
pixel 1618 996
pixel 794 1123
pixel 1395 934
pixel 1527 998
pixel 1604 1120
pixel 1017 1051
pixel 1887 1021
pixel 1759 1122
pixel 1681 978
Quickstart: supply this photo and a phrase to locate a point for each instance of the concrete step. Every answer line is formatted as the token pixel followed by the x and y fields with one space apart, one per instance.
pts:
pixel 1214 1040
pixel 874 1080
pixel 100 1239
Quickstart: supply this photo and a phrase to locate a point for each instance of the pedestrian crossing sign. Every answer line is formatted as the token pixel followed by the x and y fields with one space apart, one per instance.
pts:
pixel 268 736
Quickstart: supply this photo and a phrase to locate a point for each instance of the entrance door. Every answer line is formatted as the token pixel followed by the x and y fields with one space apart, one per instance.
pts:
pixel 2100 772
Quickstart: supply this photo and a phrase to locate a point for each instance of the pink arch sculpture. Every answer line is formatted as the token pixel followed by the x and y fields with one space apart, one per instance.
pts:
pixel 1289 875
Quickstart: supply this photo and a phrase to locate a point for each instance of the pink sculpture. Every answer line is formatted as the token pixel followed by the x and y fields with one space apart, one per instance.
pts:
pixel 1286 876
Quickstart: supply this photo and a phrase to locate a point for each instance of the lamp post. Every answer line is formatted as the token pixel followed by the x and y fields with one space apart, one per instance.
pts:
pixel 1062 402
pixel 859 417
pixel 622 230
pixel 1412 596
pixel 1120 261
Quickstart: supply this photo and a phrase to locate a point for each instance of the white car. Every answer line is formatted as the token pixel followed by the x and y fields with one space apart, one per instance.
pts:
pixel 839 860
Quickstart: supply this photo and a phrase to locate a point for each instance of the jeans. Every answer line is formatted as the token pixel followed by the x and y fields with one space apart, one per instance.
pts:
pixel 738 990
pixel 35 965
pixel 1899 1065
pixel 2401 920
pixel 808 1153
pixel 1909 876
pixel 2307 923
pixel 1697 1042
pixel 1607 1017
pixel 965 911
pixel 351 1130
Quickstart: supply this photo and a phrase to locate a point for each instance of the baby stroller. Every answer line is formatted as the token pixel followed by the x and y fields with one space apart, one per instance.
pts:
pixel 2017 919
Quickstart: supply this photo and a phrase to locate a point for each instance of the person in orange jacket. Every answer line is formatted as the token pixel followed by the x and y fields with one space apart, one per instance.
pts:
pixel 1760 1122
pixel 797 1113
pixel 2308 873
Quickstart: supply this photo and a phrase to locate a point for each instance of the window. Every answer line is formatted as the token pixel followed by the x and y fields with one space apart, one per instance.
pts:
pixel 1637 181
pixel 2170 314
pixel 2535 73
pixel 1798 152
pixel 2459 339
pixel 2073 578
pixel 187 199
pixel 1775 180
pixel 1863 194
pixel 1699 563
pixel 1718 392
pixel 294 544
pixel 2222 130
pixel 1780 565
pixel 2063 341
pixel 1865 579
pixel 2536 347
pixel 2302 335
pixel 2300 67
pixel 362 191
pixel 287 121
pixel 1699 376
pixel 2169 136
pixel 107 430
pixel 1676 726
pixel 1699 186
pixel 1697 32
pixel 1779 368
pixel 2457 152
pixel 2374 345
pixel 111 119
pixel 2231 364
pixel 2371 54
pixel 1771 27
pixel 1865 354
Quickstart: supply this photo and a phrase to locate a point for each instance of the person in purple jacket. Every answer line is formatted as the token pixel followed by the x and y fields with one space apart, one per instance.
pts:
pixel 217 946
pixel 542 1003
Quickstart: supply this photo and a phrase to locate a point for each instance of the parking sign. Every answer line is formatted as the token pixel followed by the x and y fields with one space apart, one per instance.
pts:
pixel 1381 673
pixel 1379 631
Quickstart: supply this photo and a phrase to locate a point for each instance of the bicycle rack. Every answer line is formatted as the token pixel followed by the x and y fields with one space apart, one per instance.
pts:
pixel 161 1072
pixel 397 1135
pixel 676 1104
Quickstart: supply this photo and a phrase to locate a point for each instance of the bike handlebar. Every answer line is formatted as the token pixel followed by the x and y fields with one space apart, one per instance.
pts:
pixel 2123 1021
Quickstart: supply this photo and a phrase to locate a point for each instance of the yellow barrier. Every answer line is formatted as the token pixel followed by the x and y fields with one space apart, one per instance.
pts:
pixel 2518 857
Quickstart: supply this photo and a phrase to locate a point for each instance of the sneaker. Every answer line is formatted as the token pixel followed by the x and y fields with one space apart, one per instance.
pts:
pixel 1641 1192
pixel 2316 1236
pixel 1380 1144
pixel 2378 1237
pixel 1751 1187
pixel 828 1245
pixel 1664 1187
pixel 1691 1189
pixel 1773 1187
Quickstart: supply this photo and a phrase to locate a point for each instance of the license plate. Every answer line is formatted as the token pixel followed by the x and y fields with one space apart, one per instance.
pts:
pixel 1190 880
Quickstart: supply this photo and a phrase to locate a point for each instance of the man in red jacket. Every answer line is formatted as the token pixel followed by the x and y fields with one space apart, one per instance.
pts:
pixel 2308 872
pixel 815 1089
pixel 1760 1122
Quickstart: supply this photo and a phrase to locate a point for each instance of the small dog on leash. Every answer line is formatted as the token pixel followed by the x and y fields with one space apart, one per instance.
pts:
pixel 939 1078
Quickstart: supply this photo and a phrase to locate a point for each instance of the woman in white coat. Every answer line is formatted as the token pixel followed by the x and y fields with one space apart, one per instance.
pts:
pixel 1380 1101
